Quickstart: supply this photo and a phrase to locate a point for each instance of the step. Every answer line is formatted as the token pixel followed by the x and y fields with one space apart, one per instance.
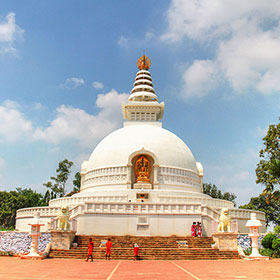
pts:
pixel 151 248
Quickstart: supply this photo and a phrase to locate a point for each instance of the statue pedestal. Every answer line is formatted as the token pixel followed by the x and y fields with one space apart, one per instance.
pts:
pixel 142 185
pixel 62 239
pixel 225 240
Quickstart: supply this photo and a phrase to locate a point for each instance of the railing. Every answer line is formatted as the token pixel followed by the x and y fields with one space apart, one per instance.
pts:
pixel 54 224
pixel 140 208
pixel 203 200
pixel 44 212
pixel 164 199
pixel 233 226
pixel 77 200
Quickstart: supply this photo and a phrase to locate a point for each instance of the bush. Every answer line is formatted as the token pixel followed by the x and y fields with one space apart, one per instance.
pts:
pixel 266 252
pixel 276 247
pixel 6 253
pixel 248 251
pixel 268 240
pixel 7 229
pixel 277 230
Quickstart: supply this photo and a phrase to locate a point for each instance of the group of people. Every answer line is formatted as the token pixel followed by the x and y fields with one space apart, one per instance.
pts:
pixel 108 246
pixel 196 229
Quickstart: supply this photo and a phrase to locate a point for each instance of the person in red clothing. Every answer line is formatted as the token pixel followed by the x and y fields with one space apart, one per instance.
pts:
pixel 198 229
pixel 193 229
pixel 108 246
pixel 136 251
pixel 90 250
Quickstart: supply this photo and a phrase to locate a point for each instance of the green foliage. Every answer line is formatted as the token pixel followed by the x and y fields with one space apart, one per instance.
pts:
pixel 11 201
pixel 248 251
pixel 7 229
pixel 271 210
pixel 7 253
pixel 266 252
pixel 214 192
pixel 58 186
pixel 276 246
pixel 268 240
pixel 268 169
pixel 77 182
pixel 271 244
pixel 277 230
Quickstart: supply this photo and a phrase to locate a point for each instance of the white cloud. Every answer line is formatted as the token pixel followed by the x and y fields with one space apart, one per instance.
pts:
pixel 251 61
pixel 246 37
pixel 13 124
pixel 75 124
pixel 70 124
pixel 123 41
pixel 2 163
pixel 97 85
pixel 149 35
pixel 9 32
pixel 38 106
pixel 203 19
pixel 133 42
pixel 72 83
pixel 200 78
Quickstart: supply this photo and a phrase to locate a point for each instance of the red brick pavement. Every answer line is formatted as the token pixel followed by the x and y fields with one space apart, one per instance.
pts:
pixel 12 268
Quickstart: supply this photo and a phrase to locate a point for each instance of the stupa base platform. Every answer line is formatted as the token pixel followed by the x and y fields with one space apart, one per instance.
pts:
pixel 150 248
pixel 257 258
pixel 26 257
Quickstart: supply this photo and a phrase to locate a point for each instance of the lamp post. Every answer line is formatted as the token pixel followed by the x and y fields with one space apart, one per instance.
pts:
pixel 35 233
pixel 254 225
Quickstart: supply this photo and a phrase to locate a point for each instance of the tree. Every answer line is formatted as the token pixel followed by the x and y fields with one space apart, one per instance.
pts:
pixel 268 168
pixel 47 197
pixel 214 192
pixel 77 182
pixel 271 210
pixel 58 186
pixel 11 201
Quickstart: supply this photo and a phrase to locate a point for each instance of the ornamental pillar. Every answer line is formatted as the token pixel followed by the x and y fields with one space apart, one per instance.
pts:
pixel 156 170
pixel 128 183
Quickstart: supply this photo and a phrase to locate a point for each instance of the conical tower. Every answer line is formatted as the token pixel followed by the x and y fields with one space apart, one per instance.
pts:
pixel 143 105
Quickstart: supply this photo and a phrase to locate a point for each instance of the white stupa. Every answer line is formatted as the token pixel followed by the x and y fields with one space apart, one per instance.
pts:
pixel 141 179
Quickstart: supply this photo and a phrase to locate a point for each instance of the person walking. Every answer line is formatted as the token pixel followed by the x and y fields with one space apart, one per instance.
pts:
pixel 136 251
pixel 108 246
pixel 90 250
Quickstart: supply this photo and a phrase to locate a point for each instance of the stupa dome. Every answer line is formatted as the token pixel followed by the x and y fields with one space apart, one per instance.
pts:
pixel 116 149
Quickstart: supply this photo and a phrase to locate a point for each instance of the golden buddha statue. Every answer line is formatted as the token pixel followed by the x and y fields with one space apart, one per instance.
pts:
pixel 142 169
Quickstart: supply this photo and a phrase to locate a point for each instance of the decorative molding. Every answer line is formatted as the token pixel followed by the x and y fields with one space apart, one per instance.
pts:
pixel 143 151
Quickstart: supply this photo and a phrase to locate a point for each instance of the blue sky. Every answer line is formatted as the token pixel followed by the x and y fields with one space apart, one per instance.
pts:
pixel 66 67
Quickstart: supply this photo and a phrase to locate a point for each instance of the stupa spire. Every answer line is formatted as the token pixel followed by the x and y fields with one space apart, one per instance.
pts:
pixel 143 88
pixel 143 103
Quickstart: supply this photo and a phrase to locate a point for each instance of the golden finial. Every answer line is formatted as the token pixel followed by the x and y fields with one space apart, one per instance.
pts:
pixel 143 63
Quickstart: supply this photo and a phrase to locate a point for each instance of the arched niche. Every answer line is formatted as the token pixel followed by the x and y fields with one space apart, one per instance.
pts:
pixel 131 164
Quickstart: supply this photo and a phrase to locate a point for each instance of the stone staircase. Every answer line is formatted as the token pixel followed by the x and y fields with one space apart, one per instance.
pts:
pixel 150 248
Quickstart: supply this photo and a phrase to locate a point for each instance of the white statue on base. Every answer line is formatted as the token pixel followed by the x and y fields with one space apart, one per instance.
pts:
pixel 225 221
pixel 63 218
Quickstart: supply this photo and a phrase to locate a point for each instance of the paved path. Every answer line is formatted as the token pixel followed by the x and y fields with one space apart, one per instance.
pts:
pixel 62 269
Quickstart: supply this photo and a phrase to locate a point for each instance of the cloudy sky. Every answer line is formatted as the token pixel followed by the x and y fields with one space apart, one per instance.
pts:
pixel 66 67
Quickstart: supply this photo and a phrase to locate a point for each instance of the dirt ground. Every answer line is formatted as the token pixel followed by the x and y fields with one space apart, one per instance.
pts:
pixel 12 268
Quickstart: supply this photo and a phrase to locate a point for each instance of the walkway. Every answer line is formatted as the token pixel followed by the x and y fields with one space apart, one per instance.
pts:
pixel 12 268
